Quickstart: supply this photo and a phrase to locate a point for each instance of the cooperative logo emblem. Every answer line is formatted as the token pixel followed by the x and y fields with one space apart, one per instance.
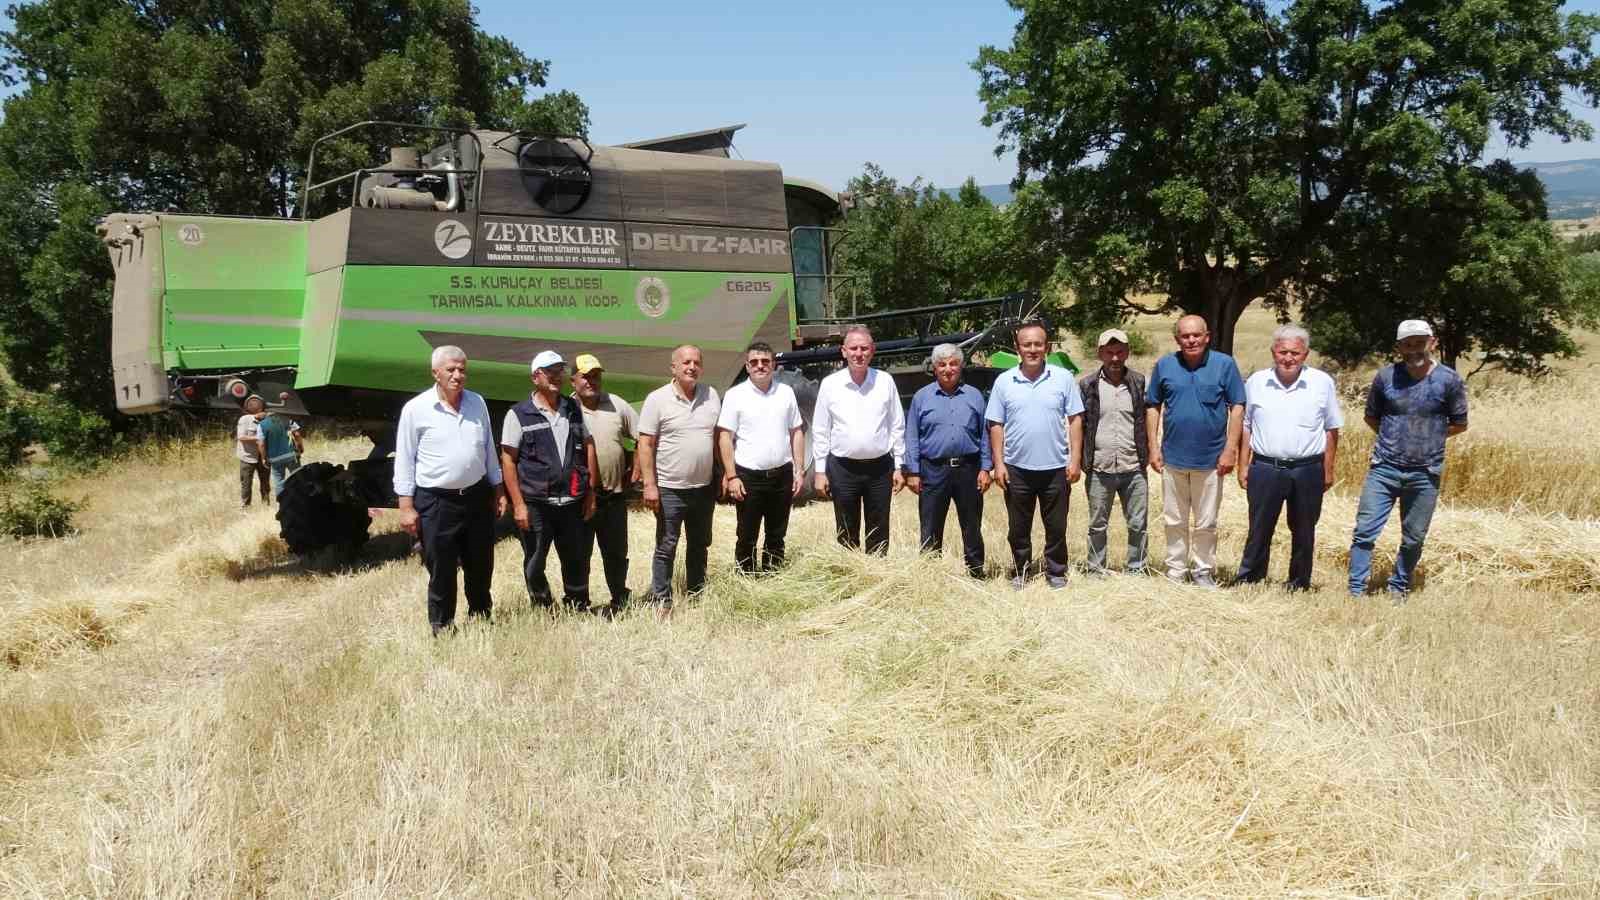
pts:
pixel 652 296
pixel 453 239
pixel 191 235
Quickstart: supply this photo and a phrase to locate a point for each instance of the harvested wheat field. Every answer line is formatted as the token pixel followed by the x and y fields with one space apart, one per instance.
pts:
pixel 187 711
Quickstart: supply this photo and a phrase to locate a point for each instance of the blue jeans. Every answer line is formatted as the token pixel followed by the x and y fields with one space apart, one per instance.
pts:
pixel 281 470
pixel 1418 493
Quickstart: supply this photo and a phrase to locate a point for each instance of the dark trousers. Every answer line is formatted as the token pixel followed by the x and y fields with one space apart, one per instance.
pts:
pixel 457 529
pixel 563 527
pixel 861 488
pixel 768 496
pixel 1048 489
pixel 248 473
pixel 1268 489
pixel 682 510
pixel 610 528
pixel 943 484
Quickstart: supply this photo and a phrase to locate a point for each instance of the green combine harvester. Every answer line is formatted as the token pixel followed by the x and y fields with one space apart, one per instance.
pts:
pixel 503 244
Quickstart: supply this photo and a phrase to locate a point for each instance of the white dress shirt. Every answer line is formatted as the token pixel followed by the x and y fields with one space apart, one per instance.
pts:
pixel 858 421
pixel 439 447
pixel 1293 421
pixel 760 422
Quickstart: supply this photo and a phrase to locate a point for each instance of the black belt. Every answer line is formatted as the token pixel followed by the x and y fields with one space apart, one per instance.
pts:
pixel 455 492
pixel 773 472
pixel 953 462
pixel 1285 463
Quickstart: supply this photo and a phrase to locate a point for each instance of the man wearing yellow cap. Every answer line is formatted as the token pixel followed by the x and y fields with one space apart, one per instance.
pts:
pixel 610 421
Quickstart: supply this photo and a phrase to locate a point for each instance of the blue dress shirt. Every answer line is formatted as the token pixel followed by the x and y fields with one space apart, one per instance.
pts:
pixel 941 425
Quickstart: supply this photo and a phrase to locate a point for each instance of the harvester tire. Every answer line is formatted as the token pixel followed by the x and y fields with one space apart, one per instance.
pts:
pixel 321 507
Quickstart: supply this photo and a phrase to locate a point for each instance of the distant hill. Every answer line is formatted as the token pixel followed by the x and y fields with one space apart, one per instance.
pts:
pixel 1573 186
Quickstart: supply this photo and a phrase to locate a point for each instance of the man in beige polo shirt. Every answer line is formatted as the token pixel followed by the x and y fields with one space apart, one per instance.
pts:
pixel 677 446
pixel 610 421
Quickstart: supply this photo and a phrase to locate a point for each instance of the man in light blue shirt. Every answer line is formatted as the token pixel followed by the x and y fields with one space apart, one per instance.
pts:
pixel 1035 420
pixel 448 480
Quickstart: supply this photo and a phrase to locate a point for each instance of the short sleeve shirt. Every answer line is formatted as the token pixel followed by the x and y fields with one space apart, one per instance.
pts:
pixel 247 429
pixel 1034 413
pixel 560 430
pixel 761 423
pixel 1293 421
pixel 684 431
pixel 611 420
pixel 1414 415
pixel 275 431
pixel 1195 427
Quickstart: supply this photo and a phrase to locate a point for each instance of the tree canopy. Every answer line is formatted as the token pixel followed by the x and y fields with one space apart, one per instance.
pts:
pixel 207 107
pixel 1205 154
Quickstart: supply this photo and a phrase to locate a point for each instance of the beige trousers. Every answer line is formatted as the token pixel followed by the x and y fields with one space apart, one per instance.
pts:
pixel 1187 493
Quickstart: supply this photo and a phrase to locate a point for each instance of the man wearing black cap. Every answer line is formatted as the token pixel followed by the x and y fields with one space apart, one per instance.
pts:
pixel 547 457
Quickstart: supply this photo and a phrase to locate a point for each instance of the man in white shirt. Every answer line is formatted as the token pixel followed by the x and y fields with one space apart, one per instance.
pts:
pixel 246 446
pixel 448 480
pixel 677 455
pixel 1291 433
pixel 760 435
pixel 858 443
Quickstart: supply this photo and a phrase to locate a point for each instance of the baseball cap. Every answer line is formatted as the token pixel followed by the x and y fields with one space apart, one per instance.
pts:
pixel 1413 328
pixel 546 359
pixel 586 363
pixel 1112 334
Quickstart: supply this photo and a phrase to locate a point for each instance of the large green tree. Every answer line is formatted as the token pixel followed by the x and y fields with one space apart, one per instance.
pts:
pixel 1200 153
pixel 207 106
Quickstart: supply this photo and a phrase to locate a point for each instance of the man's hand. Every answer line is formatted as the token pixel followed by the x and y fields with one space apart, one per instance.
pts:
pixel 983 480
pixel 733 486
pixel 1244 477
pixel 1001 477
pixel 520 516
pixel 899 480
pixel 914 483
pixel 1156 462
pixel 799 483
pixel 1227 461
pixel 1074 472
pixel 652 496
pixel 821 482
pixel 589 501
pixel 1327 480
pixel 408 520
pixel 500 504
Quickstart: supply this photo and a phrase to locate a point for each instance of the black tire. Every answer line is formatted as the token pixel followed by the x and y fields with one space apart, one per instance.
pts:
pixel 322 506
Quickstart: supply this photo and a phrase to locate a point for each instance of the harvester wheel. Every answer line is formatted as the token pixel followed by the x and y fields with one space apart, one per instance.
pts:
pixel 321 506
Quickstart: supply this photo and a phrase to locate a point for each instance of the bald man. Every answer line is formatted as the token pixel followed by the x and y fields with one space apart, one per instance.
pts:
pixel 677 452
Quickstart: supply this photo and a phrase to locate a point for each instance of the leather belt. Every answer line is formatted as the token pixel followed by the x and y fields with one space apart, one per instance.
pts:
pixel 1285 463
pixel 953 462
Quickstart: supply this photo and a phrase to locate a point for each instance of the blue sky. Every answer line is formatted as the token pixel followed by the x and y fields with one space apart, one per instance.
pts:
pixel 824 85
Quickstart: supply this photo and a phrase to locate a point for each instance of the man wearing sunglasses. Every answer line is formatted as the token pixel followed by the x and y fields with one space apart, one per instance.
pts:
pixel 760 435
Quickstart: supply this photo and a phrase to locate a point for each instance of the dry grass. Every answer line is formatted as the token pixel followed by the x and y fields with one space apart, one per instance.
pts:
pixel 241 726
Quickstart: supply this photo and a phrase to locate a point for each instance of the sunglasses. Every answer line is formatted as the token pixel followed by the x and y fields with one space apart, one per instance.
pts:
pixel 759 363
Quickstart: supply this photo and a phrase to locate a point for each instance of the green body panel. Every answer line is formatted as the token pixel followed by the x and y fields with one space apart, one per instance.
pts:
pixel 375 327
pixel 235 288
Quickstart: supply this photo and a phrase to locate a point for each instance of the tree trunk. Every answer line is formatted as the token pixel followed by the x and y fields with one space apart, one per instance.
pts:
pixel 1220 298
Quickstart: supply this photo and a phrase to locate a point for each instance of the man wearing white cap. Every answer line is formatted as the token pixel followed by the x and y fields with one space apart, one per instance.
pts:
pixel 610 421
pixel 547 459
pixel 1413 405
pixel 1116 448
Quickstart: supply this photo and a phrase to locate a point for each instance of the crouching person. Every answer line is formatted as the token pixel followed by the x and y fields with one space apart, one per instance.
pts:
pixel 546 456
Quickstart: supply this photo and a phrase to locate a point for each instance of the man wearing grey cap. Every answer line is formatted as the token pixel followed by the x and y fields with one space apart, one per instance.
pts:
pixel 1413 405
pixel 548 459
pixel 1116 449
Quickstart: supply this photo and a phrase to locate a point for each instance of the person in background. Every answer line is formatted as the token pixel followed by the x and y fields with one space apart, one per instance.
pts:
pixel 1414 405
pixel 545 460
pixel 1291 435
pixel 1116 448
pixel 1195 401
pixel 280 446
pixel 858 443
pixel 947 457
pixel 1035 417
pixel 760 435
pixel 448 481
pixel 610 421
pixel 677 459
pixel 247 446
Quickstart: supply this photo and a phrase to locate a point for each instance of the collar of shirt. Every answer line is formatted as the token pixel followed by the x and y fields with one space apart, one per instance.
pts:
pixel 865 387
pixel 939 389
pixel 677 393
pixel 1019 378
pixel 1300 382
